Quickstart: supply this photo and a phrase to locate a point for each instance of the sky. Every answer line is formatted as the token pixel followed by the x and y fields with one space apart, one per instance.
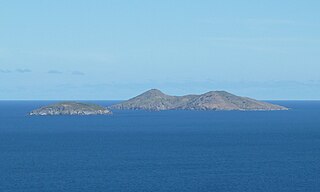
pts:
pixel 116 49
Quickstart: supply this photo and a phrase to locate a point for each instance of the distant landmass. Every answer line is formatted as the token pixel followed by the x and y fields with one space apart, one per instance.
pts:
pixel 155 100
pixel 71 108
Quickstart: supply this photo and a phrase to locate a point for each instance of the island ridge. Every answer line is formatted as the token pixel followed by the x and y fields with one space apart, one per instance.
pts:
pixel 155 100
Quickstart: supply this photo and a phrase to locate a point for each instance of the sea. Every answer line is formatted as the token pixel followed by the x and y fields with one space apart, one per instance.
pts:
pixel 166 151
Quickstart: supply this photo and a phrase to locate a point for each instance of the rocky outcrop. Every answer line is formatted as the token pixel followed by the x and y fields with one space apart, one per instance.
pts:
pixel 155 100
pixel 71 108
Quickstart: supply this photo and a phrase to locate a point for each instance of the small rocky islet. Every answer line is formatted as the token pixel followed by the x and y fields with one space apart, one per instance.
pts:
pixel 155 100
pixel 71 108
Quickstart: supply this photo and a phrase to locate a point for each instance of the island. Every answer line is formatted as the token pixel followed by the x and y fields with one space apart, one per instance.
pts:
pixel 155 100
pixel 71 108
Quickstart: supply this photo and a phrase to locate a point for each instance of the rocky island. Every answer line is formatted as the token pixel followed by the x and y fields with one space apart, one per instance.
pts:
pixel 155 100
pixel 71 108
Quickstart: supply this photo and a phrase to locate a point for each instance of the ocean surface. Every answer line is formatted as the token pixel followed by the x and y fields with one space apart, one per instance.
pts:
pixel 169 151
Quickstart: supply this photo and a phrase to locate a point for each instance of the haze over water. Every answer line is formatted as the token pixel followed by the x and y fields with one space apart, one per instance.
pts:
pixel 160 151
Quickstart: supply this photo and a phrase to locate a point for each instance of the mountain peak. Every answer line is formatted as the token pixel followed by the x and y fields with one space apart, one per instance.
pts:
pixel 152 93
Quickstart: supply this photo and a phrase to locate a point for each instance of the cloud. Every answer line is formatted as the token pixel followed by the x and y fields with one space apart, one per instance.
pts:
pixel 54 72
pixel 5 71
pixel 77 73
pixel 23 70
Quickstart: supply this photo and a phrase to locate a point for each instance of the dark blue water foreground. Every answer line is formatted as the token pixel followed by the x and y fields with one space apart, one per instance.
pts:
pixel 193 151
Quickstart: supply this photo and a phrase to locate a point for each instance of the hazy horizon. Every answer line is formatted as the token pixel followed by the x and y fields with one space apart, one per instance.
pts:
pixel 114 50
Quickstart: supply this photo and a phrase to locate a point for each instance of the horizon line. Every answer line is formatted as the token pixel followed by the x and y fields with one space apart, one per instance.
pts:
pixel 130 98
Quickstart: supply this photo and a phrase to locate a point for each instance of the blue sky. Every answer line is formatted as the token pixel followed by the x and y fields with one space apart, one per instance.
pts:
pixel 102 49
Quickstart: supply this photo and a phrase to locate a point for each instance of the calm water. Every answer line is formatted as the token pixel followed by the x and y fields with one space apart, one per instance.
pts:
pixel 161 151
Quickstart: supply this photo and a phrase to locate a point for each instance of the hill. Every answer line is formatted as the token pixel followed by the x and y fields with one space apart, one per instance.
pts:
pixel 156 100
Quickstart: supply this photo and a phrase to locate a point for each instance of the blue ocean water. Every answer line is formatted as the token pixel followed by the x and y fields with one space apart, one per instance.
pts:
pixel 169 151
